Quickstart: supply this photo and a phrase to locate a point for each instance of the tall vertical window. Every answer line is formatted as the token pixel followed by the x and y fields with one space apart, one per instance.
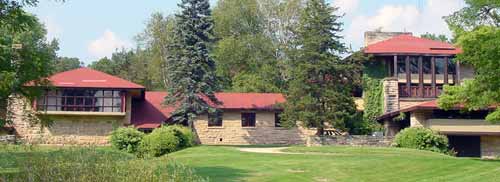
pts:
pixel 86 100
pixel 413 65
pixel 440 64
pixel 426 65
pixel 215 119
pixel 277 119
pixel 401 65
pixel 248 119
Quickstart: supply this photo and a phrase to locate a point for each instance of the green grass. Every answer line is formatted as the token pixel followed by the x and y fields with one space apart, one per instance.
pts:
pixel 226 163
pixel 223 163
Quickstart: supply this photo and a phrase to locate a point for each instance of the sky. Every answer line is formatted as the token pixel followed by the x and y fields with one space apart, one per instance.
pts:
pixel 92 29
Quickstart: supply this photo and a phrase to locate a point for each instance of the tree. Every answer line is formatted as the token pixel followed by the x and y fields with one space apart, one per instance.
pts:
pixel 105 65
pixel 243 53
pixel 319 93
pixel 476 29
pixel 191 67
pixel 153 43
pixel 66 63
pixel 439 37
pixel 31 61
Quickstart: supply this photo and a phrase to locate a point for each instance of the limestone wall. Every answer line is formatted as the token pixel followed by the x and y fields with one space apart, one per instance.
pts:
pixel 74 129
pixel 351 140
pixel 390 94
pixel 264 132
pixel 490 146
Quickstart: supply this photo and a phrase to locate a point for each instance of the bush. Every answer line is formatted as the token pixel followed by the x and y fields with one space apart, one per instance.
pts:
pixel 185 135
pixel 94 164
pixel 422 139
pixel 126 139
pixel 161 141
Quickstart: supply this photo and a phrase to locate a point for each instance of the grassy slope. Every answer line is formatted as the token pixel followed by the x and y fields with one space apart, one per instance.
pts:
pixel 335 164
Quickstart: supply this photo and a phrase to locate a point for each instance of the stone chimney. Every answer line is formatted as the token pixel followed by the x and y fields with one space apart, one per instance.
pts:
pixel 372 37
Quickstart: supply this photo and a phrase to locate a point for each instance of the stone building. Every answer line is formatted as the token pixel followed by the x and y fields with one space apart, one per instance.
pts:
pixel 85 106
pixel 417 70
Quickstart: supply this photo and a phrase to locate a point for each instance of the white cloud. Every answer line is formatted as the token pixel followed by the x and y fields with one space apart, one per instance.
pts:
pixel 54 30
pixel 403 18
pixel 106 44
pixel 346 6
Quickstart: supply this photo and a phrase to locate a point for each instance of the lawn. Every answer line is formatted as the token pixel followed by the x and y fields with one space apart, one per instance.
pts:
pixel 335 164
pixel 226 163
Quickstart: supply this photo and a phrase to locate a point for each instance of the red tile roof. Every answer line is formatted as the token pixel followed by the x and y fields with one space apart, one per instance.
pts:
pixel 151 112
pixel 408 44
pixel 89 78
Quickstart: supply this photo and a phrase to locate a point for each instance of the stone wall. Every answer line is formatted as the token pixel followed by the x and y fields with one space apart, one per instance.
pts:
pixel 264 132
pixel 80 129
pixel 8 139
pixel 490 146
pixel 390 94
pixel 351 140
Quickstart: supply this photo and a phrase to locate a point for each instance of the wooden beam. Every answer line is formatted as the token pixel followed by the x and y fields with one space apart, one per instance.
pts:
pixel 420 77
pixel 408 76
pixel 446 70
pixel 395 66
pixel 457 72
pixel 433 77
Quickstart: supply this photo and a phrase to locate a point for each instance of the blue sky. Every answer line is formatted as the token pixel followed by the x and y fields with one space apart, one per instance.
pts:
pixel 91 29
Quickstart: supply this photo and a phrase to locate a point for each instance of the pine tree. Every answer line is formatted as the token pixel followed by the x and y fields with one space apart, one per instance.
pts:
pixel 190 69
pixel 319 92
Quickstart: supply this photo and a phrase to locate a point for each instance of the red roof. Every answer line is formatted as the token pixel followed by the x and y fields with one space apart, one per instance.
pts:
pixel 151 112
pixel 89 78
pixel 408 44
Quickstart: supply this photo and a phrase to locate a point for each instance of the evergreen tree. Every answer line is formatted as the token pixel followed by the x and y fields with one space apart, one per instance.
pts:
pixel 320 88
pixel 191 68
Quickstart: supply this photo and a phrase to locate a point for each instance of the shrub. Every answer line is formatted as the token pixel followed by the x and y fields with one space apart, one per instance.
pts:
pixel 126 139
pixel 423 139
pixel 161 141
pixel 184 134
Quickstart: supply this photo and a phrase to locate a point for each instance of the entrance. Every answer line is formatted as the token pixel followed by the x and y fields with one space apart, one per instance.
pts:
pixel 466 146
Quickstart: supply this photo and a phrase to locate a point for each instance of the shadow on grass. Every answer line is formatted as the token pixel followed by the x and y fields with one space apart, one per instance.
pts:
pixel 487 160
pixel 221 173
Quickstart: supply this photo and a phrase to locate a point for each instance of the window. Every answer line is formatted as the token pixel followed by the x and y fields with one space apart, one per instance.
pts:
pixel 451 66
pixel 413 65
pixel 426 65
pixel 248 119
pixel 456 114
pixel 401 64
pixel 85 100
pixel 277 119
pixel 215 119
pixel 440 65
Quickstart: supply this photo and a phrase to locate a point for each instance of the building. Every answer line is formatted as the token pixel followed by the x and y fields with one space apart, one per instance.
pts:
pixel 85 106
pixel 417 70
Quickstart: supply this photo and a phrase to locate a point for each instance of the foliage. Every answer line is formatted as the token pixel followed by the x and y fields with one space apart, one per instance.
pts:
pixel 91 164
pixel 476 13
pixel 440 37
pixel 422 139
pixel 185 135
pixel 20 66
pixel 243 53
pixel 476 35
pixel 373 74
pixel 66 63
pixel 126 139
pixel 320 91
pixel 165 140
pixel 191 67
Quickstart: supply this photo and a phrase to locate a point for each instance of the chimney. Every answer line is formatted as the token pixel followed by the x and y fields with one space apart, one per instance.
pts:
pixel 372 37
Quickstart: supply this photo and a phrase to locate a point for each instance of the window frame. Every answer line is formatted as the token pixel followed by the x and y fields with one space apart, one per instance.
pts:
pixel 277 120
pixel 248 115
pixel 80 100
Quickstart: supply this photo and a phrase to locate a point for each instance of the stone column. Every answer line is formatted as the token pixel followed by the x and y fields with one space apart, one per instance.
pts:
pixel 391 94
pixel 391 127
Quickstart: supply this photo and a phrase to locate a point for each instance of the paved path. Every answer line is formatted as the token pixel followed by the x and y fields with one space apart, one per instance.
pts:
pixel 267 150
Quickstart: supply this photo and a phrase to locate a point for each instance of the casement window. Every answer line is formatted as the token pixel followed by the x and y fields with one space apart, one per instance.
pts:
pixel 83 100
pixel 277 119
pixel 247 119
pixel 215 119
